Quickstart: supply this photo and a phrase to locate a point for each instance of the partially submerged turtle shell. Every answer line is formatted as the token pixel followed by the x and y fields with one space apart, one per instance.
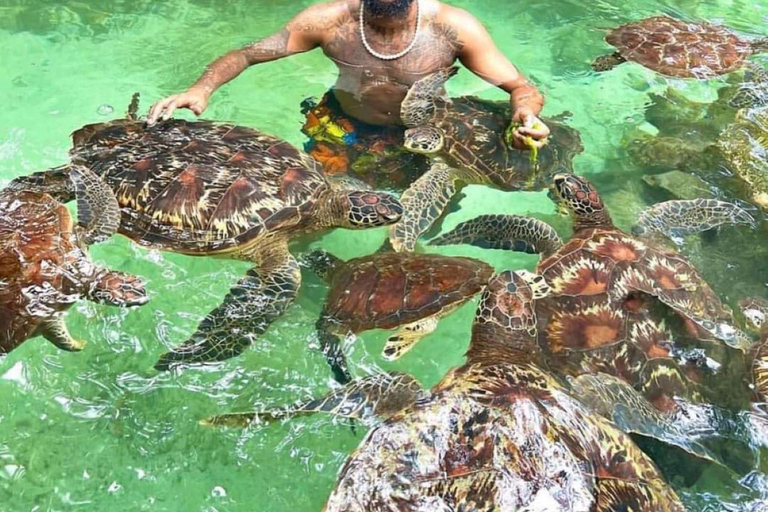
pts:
pixel 603 315
pixel 35 250
pixel 680 49
pixel 388 290
pixel 199 186
pixel 474 139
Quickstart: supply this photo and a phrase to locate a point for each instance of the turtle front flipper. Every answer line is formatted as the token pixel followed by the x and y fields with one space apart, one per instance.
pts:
pixel 117 289
pixel 419 105
pixel 55 331
pixel 608 62
pixel 423 203
pixel 98 212
pixel 620 403
pixel 509 232
pixel 379 395
pixel 248 310
pixel 675 219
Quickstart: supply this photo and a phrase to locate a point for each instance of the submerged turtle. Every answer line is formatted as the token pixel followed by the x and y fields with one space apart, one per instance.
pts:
pixel 744 145
pixel 466 139
pixel 392 290
pixel 620 305
pixel 208 189
pixel 44 264
pixel 686 50
pixel 498 433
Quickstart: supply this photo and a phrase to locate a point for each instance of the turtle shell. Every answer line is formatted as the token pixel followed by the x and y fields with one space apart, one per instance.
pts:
pixel 680 49
pixel 474 140
pixel 35 252
pixel 623 307
pixel 388 290
pixel 200 187
pixel 744 145
pixel 499 437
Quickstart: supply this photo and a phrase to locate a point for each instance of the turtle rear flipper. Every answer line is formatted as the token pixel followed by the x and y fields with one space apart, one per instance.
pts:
pixel 423 203
pixel 379 395
pixel 674 219
pixel 248 310
pixel 117 289
pixel 55 331
pixel 509 232
pixel 98 212
pixel 620 403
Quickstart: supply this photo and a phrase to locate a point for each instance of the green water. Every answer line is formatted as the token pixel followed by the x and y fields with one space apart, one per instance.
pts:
pixel 100 430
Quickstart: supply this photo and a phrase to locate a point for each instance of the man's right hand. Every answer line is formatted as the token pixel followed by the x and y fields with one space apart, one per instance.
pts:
pixel 194 100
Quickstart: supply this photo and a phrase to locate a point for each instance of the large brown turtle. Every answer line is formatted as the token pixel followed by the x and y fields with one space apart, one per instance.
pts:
pixel 209 189
pixel 391 290
pixel 625 306
pixel 498 433
pixel 44 263
pixel 465 139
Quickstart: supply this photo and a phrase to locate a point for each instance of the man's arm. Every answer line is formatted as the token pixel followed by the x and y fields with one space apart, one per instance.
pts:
pixel 479 54
pixel 305 32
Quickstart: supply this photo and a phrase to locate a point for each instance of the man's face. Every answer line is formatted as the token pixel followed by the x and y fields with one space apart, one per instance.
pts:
pixel 387 8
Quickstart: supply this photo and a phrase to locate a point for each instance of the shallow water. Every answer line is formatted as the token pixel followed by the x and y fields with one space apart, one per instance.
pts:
pixel 100 430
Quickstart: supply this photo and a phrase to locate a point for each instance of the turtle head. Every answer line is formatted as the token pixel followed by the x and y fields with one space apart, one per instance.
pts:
pixel 425 140
pixel 117 289
pixel 581 200
pixel 366 209
pixel 505 323
pixel 755 311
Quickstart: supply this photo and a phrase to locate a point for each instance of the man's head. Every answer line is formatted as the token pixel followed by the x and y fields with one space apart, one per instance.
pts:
pixel 387 8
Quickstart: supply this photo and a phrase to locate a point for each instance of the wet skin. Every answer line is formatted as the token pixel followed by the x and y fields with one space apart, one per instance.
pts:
pixel 368 88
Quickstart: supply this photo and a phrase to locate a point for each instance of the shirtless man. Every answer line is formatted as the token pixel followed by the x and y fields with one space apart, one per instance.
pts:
pixel 400 42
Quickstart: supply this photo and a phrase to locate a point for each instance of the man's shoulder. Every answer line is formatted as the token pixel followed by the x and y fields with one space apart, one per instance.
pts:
pixel 460 20
pixel 322 17
pixel 336 9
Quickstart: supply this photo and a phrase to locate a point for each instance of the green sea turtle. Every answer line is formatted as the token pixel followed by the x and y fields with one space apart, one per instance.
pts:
pixel 466 139
pixel 621 305
pixel 44 264
pixel 208 189
pixel 498 433
pixel 686 50
pixel 391 290
pixel 744 146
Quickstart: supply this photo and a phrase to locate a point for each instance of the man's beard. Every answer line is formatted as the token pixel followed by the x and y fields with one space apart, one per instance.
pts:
pixel 393 9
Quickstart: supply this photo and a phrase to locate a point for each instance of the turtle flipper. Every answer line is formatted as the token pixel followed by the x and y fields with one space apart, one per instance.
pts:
pixel 321 263
pixel 248 310
pixel 423 203
pixel 408 336
pixel 681 217
pixel 509 232
pixel 612 494
pixel 379 395
pixel 98 211
pixel 55 331
pixel 418 107
pixel 620 403
pixel 330 345
pixel 117 289
pixel 608 62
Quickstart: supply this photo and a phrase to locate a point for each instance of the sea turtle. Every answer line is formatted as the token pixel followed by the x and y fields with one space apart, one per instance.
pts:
pixel 209 189
pixel 685 50
pixel 744 145
pixel 498 433
pixel 466 140
pixel 622 305
pixel 44 264
pixel 390 290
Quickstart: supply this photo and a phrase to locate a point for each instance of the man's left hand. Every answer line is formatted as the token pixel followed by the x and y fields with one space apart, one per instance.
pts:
pixel 529 126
